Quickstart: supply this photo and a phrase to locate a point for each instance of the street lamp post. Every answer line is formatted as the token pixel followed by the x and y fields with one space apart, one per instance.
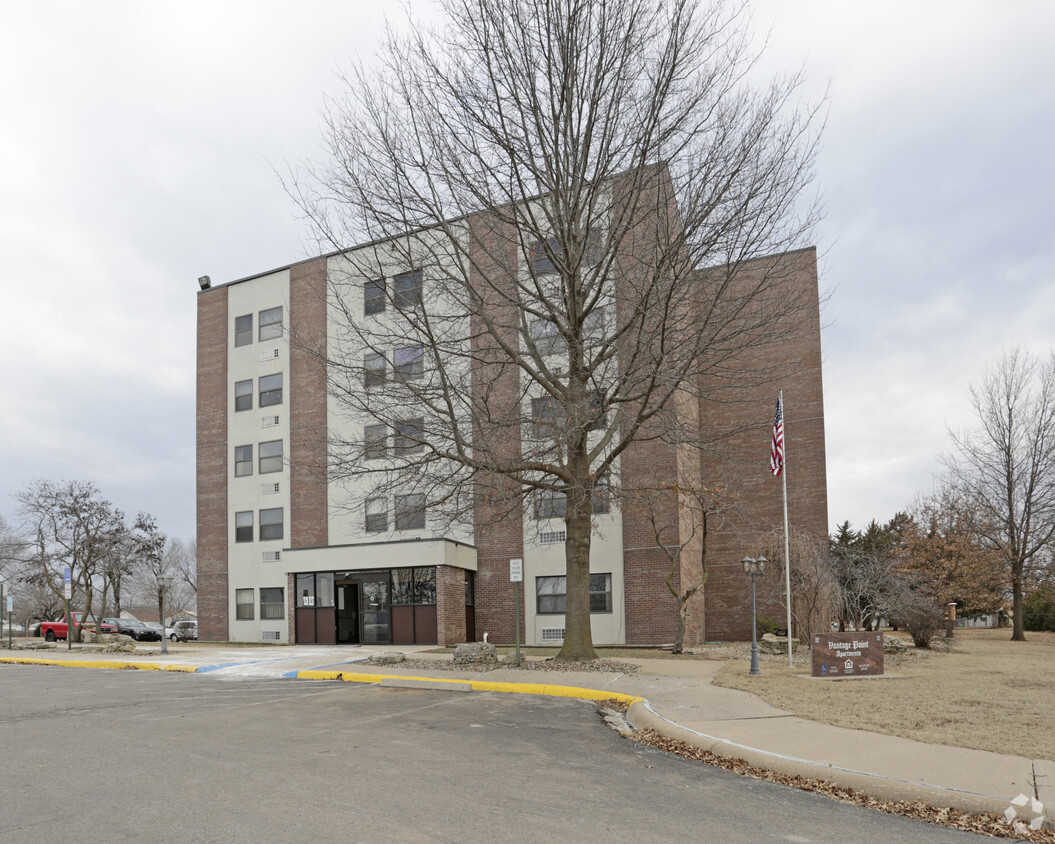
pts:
pixel 163 584
pixel 754 566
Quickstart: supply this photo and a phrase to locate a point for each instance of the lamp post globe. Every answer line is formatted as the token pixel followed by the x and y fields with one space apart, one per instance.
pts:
pixel 754 566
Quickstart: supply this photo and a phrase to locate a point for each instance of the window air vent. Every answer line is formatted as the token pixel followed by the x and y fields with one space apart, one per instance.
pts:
pixel 552 634
pixel 271 636
pixel 272 556
pixel 269 489
pixel 269 422
pixel 269 354
pixel 553 537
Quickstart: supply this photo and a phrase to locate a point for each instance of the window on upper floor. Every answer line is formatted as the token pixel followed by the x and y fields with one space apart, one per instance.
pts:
pixel 376 515
pixel 375 442
pixel 601 500
pixel 243 460
pixel 243 395
pixel 271 456
pixel 270 389
pixel 243 330
pixel 408 437
pixel 243 604
pixel 271 323
pixel 374 366
pixel 550 504
pixel 408 363
pixel 541 262
pixel 547 414
pixel 271 524
pixel 410 512
pixel 374 296
pixel 243 526
pixel 406 290
pixel 547 338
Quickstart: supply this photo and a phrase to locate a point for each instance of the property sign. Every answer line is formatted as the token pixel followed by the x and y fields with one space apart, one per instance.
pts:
pixel 516 570
pixel 847 655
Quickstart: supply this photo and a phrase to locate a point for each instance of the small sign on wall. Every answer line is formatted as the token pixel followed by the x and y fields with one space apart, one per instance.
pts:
pixel 516 570
pixel 847 655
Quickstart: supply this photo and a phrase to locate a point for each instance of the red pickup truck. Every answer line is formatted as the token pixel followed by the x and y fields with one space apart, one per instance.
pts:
pixel 59 629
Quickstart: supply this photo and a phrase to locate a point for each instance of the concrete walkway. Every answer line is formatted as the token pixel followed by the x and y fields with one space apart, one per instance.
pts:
pixel 674 697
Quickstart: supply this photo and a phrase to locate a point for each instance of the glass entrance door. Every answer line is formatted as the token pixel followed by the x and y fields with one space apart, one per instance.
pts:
pixel 348 613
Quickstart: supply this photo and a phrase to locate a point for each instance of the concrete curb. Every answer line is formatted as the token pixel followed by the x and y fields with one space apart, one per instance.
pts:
pixel 548 689
pixel 642 715
pixel 102 663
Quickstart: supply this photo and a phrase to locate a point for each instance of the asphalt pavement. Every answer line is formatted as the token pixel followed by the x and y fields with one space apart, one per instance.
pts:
pixel 675 697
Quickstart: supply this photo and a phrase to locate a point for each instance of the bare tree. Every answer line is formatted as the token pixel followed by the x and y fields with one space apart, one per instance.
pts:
pixel 680 516
pixel 181 560
pixel 814 587
pixel 70 525
pixel 540 184
pixel 1005 468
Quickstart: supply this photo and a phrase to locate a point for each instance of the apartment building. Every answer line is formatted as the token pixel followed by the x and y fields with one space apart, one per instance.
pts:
pixel 294 548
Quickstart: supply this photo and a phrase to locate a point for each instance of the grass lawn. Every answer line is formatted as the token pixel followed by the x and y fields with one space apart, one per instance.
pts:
pixel 986 692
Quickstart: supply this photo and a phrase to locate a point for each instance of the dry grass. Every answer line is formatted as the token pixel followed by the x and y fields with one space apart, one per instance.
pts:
pixel 986 693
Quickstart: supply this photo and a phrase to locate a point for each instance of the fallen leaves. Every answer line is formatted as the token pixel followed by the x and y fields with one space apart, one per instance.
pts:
pixel 992 825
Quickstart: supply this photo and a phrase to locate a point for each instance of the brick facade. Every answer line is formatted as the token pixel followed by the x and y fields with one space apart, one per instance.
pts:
pixel 212 516
pixel 450 605
pixel 309 515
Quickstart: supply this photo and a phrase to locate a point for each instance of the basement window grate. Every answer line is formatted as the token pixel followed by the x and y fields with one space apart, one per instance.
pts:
pixel 552 634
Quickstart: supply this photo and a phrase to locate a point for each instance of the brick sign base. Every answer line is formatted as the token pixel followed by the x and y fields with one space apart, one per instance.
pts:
pixel 847 655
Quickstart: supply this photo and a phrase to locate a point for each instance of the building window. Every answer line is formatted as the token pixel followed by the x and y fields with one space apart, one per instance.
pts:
pixel 243 395
pixel 470 588
pixel 243 460
pixel 271 323
pixel 375 442
pixel 243 526
pixel 374 297
pixel 243 330
pixel 550 504
pixel 272 604
pixel 410 512
pixel 601 500
pixel 243 604
pixel 270 389
pixel 541 263
pixel 547 338
pixel 270 457
pixel 271 526
pixel 414 586
pixel 406 290
pixel 374 370
pixel 547 413
pixel 597 411
pixel 376 515
pixel 550 593
pixel 409 363
pixel 593 325
pixel 408 437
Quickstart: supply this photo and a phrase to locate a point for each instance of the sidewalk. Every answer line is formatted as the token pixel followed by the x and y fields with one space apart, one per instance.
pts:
pixel 677 699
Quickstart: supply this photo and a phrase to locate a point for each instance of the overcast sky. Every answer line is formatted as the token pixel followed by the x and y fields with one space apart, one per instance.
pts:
pixel 139 144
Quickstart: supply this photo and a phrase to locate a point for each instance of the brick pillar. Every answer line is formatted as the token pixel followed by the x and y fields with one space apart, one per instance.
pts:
pixel 212 400
pixel 450 605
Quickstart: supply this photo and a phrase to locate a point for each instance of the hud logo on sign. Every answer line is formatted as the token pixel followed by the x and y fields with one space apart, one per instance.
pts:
pixel 847 655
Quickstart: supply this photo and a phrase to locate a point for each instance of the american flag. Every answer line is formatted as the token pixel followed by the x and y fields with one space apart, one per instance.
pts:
pixel 776 453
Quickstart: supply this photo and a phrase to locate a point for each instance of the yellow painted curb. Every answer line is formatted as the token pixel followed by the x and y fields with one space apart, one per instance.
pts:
pixel 100 663
pixel 549 689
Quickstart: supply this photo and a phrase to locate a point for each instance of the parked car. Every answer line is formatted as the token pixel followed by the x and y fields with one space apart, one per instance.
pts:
pixel 134 628
pixel 58 629
pixel 167 632
pixel 184 629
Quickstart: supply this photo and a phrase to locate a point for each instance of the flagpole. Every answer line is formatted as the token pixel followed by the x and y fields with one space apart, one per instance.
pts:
pixel 787 551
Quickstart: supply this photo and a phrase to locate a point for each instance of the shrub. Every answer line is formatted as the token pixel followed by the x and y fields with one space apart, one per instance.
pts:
pixel 922 618
pixel 1038 611
pixel 766 624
